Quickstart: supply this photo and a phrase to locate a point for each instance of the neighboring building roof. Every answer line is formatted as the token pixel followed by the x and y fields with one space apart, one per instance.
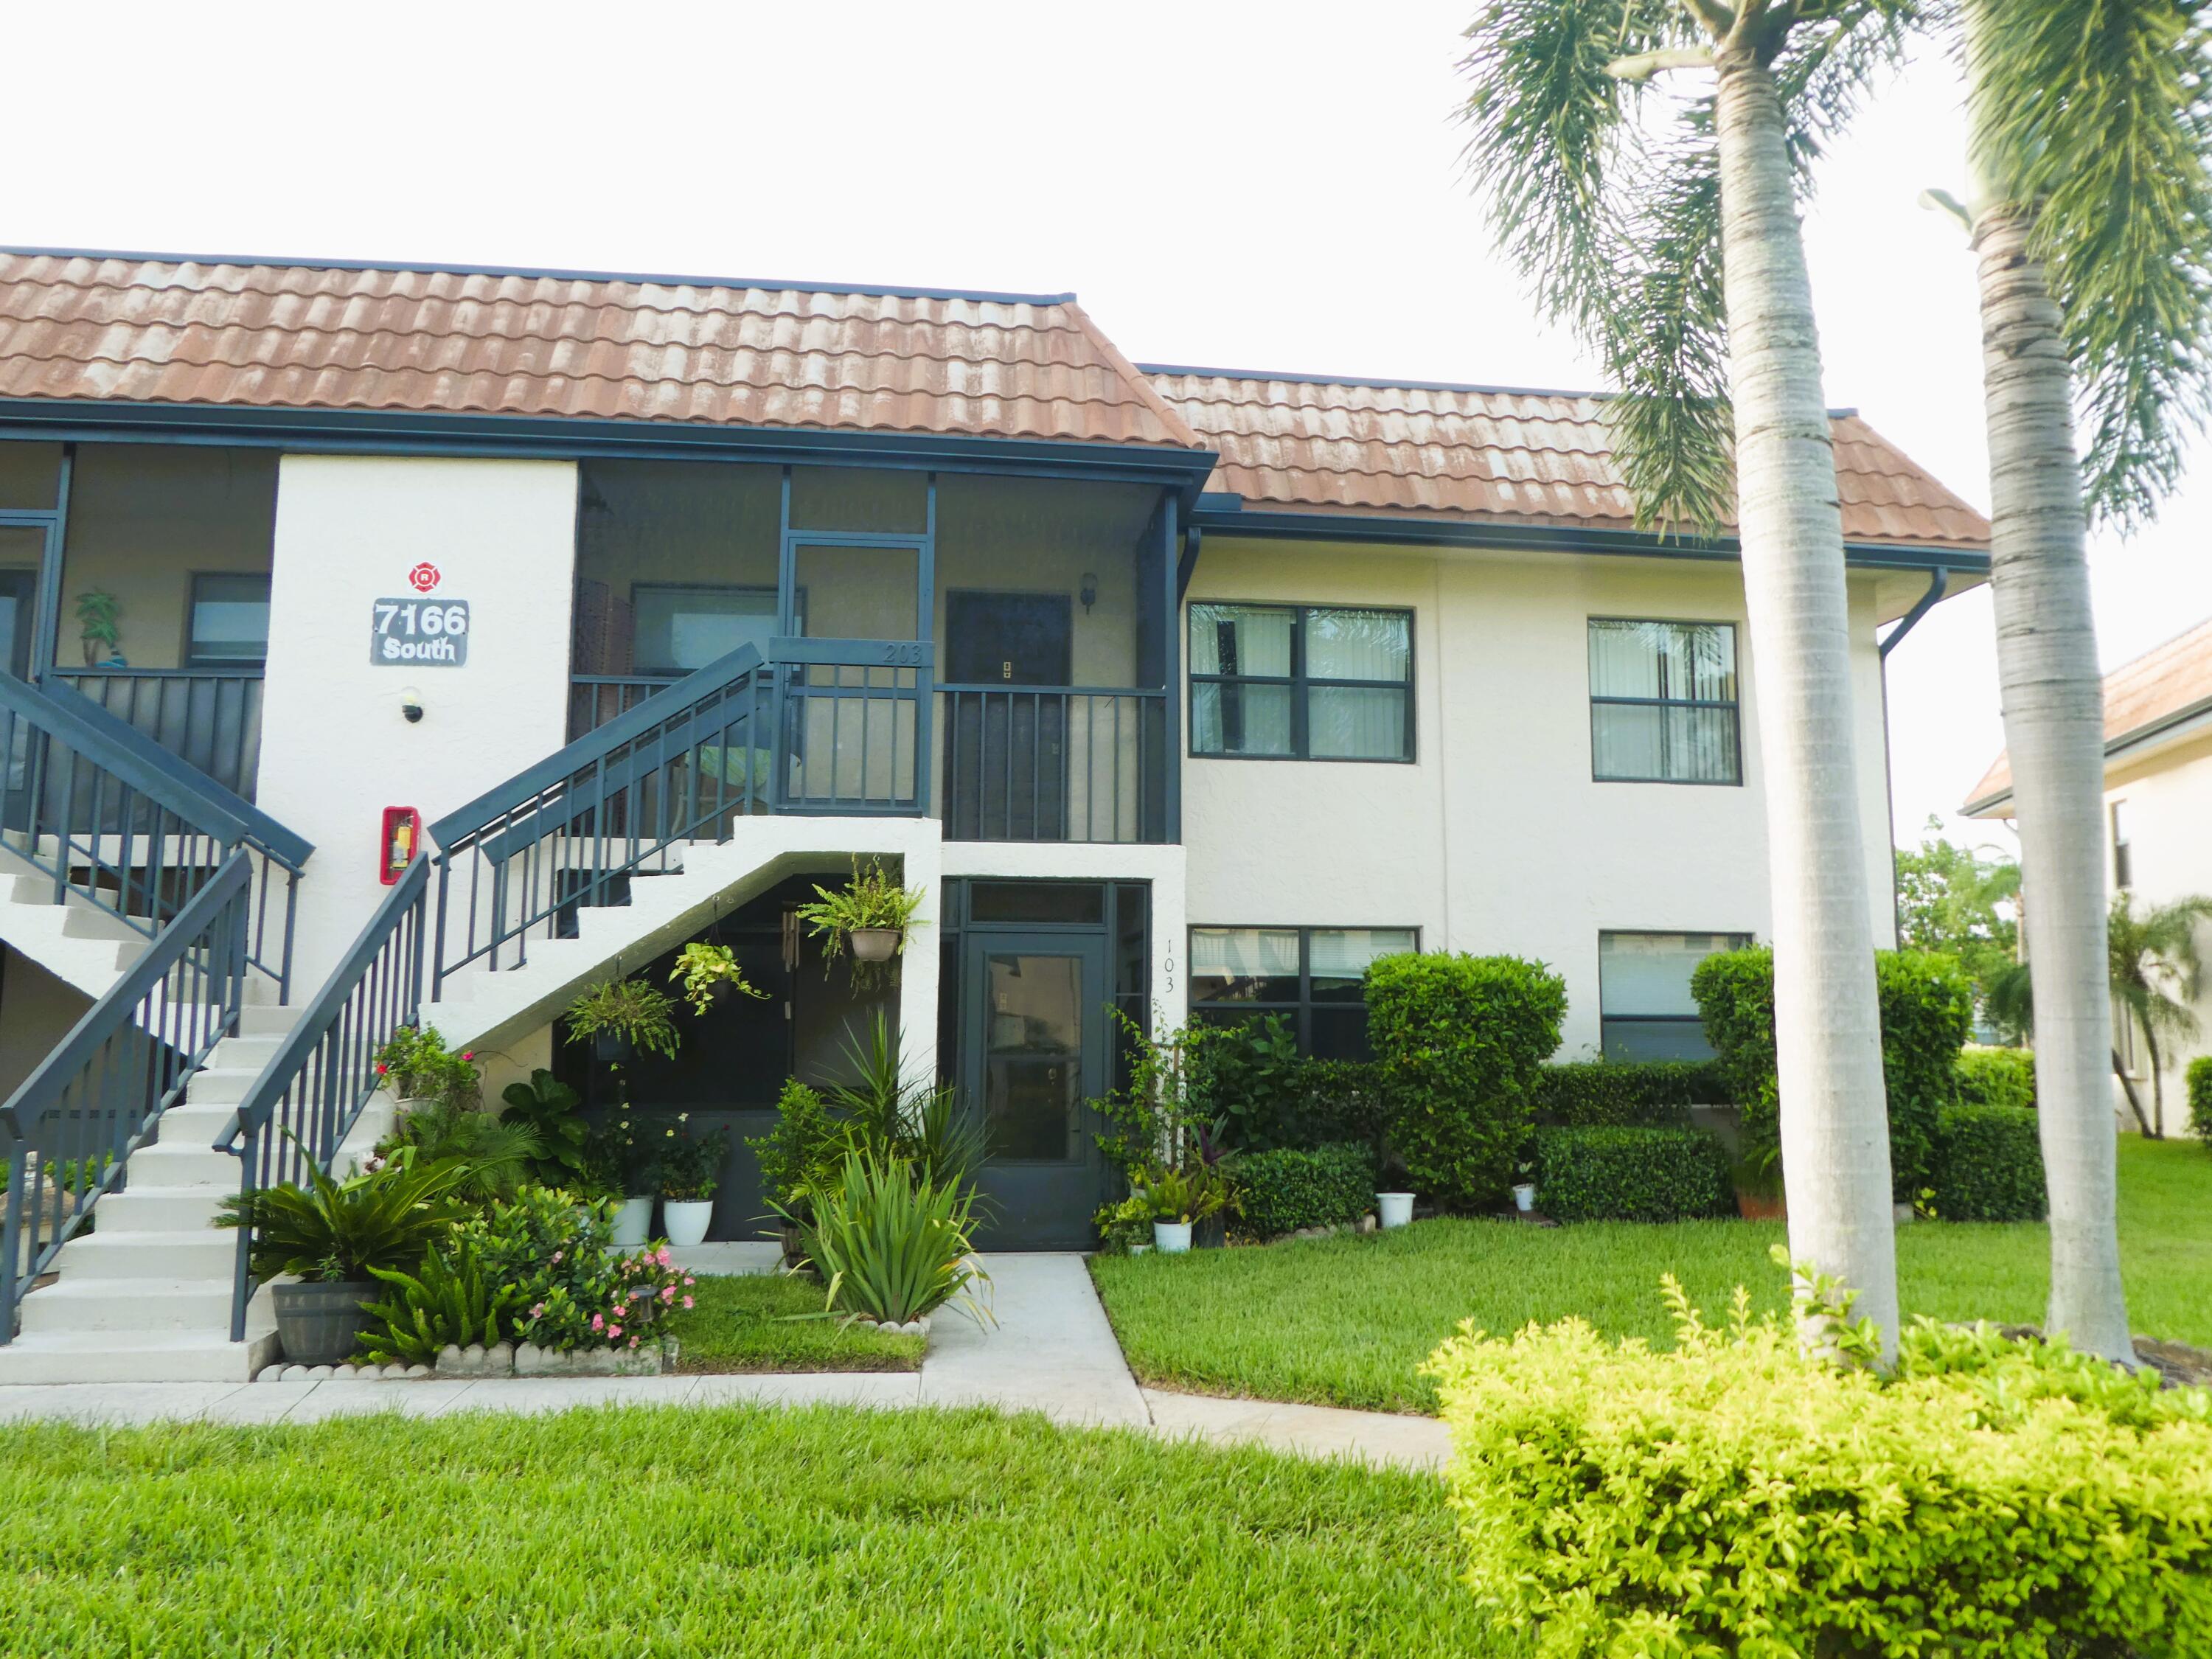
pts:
pixel 265 334
pixel 2152 694
pixel 1496 454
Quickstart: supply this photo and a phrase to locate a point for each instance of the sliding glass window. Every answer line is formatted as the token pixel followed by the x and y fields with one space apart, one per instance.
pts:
pixel 1301 682
pixel 1309 976
pixel 1663 702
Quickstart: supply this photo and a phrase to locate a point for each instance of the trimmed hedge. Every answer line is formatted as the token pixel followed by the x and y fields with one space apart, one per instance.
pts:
pixel 1927 1008
pixel 1281 1191
pixel 1990 1166
pixel 2200 1099
pixel 1650 1094
pixel 1616 1173
pixel 1252 1076
pixel 1997 1077
pixel 1987 1499
pixel 1458 1041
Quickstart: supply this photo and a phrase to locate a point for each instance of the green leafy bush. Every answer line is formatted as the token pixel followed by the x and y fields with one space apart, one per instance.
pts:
pixel 892 1244
pixel 571 1292
pixel 1616 1173
pixel 1989 1165
pixel 1281 1191
pixel 336 1232
pixel 1734 1495
pixel 1997 1077
pixel 417 1066
pixel 451 1298
pixel 495 1157
pixel 1249 1075
pixel 1649 1094
pixel 2200 1099
pixel 1927 1007
pixel 802 1145
pixel 1458 1041
pixel 548 1108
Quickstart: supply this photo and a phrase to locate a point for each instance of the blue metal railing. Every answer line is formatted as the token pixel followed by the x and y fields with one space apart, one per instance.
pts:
pixel 309 1095
pixel 119 822
pixel 69 1132
pixel 209 718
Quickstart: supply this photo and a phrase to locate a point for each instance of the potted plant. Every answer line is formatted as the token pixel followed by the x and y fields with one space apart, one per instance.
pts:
pixel 1179 1199
pixel 332 1234
pixel 616 1017
pixel 1758 1195
pixel 871 914
pixel 1524 1185
pixel 710 972
pixel 616 1168
pixel 421 1070
pixel 690 1167
pixel 97 619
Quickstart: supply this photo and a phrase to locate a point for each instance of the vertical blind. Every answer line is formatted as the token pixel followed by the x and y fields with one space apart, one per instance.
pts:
pixel 1663 701
pixel 1328 683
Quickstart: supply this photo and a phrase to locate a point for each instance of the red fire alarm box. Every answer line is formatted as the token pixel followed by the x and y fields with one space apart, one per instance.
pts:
pixel 403 834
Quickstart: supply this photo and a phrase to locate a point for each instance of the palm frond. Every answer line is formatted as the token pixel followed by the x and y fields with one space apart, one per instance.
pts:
pixel 2095 112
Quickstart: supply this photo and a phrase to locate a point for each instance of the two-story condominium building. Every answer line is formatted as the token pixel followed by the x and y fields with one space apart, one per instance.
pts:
pixel 391 643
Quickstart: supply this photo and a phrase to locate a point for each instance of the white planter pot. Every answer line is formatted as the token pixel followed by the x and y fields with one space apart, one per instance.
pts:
pixel 1140 1249
pixel 1396 1208
pixel 633 1222
pixel 1524 1197
pixel 1171 1238
pixel 686 1219
pixel 873 944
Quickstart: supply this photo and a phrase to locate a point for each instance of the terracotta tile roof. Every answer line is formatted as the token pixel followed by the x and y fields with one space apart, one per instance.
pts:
pixel 402 338
pixel 1494 453
pixel 2140 696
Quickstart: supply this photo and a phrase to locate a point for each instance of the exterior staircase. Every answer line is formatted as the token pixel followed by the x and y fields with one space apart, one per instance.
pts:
pixel 78 942
pixel 146 1298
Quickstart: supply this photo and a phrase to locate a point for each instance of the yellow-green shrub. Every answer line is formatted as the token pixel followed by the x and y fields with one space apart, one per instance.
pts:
pixel 1734 1496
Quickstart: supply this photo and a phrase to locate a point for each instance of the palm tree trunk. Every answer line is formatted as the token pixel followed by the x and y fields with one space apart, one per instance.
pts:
pixel 2128 1088
pixel 1835 1128
pixel 2156 1129
pixel 2054 734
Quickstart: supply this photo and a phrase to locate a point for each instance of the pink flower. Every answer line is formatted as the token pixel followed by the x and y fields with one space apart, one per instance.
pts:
pixel 468 1053
pixel 597 1322
pixel 667 1292
pixel 633 1342
pixel 688 1282
pixel 615 1330
pixel 556 1256
pixel 687 1301
pixel 661 1255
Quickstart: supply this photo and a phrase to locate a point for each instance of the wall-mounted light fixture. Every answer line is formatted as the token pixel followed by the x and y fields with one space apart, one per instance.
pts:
pixel 1089 592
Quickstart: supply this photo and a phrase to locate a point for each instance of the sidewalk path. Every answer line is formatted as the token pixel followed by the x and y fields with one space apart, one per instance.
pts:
pixel 1052 1352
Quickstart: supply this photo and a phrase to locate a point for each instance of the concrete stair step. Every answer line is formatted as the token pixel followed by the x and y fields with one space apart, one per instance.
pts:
pixel 196 1123
pixel 122 1305
pixel 137 1356
pixel 271 1019
pixel 223 1085
pixel 201 1254
pixel 247 1053
pixel 184 1163
pixel 143 1207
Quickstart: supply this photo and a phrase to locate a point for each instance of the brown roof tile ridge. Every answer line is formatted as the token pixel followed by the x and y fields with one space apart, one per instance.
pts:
pixel 1146 394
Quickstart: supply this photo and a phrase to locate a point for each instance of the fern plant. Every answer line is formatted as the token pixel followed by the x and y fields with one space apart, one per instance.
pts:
pixel 447 1300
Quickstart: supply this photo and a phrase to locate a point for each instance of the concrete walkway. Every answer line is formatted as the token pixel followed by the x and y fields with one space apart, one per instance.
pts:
pixel 1052 1350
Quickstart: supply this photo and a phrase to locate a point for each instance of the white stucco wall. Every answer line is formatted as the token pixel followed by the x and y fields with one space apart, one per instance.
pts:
pixel 1495 838
pixel 2168 797
pixel 335 749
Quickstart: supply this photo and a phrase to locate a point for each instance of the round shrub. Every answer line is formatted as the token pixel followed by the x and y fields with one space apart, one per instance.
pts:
pixel 1614 1173
pixel 1989 1165
pixel 1458 1041
pixel 1997 1077
pixel 1927 1008
pixel 1279 1192
pixel 1651 1094
pixel 1989 1499
pixel 2200 1099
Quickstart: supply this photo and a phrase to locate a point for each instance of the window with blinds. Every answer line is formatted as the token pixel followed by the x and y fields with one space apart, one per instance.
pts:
pixel 1645 1011
pixel 1312 976
pixel 1301 683
pixel 1663 702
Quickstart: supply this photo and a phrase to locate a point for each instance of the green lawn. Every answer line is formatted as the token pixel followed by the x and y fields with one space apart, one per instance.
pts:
pixel 716 1531
pixel 1348 1321
pixel 743 1323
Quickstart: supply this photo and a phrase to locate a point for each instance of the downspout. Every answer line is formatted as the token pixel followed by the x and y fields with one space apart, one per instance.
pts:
pixel 1938 579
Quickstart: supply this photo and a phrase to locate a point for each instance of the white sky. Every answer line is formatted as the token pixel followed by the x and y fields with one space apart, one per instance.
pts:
pixel 1267 186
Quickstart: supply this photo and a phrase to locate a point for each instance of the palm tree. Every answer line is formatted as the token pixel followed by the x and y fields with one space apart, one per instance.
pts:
pixel 2153 972
pixel 1666 233
pixel 2091 213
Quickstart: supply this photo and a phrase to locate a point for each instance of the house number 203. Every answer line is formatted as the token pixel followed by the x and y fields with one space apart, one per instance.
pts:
pixel 902 654
pixel 419 633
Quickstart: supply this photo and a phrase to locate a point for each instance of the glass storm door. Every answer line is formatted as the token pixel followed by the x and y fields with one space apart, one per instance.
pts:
pixel 1036 1050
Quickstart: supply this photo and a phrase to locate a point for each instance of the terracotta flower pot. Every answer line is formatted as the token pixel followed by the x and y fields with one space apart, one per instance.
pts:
pixel 1762 1206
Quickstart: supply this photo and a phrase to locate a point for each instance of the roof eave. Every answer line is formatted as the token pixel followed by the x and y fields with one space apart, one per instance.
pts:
pixel 368 431
pixel 1216 512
